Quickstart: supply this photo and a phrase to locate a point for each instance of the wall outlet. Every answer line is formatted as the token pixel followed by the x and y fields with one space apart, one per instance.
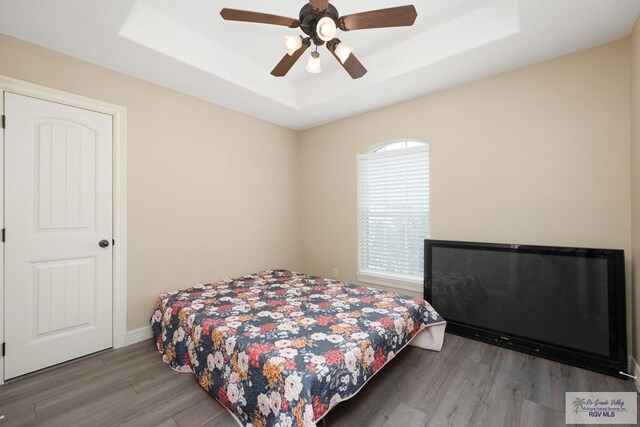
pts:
pixel 334 273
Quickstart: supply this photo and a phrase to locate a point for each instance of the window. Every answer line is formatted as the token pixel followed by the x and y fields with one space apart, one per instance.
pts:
pixel 393 214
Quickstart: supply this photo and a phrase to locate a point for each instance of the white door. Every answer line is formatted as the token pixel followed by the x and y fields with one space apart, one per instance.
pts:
pixel 58 197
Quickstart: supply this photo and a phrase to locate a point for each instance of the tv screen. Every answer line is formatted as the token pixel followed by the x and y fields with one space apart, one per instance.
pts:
pixel 533 298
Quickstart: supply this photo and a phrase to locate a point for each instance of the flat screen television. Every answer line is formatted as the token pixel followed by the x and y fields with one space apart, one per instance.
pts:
pixel 566 304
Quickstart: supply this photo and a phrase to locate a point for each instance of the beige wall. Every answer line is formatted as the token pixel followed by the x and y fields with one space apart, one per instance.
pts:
pixel 539 155
pixel 211 191
pixel 635 179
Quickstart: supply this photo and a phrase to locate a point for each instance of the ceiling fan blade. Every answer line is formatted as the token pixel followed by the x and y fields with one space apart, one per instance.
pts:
pixel 351 65
pixel 319 4
pixel 287 61
pixel 260 18
pixel 401 16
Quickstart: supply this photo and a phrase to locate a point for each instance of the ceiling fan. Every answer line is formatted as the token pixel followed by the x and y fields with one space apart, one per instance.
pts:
pixel 320 20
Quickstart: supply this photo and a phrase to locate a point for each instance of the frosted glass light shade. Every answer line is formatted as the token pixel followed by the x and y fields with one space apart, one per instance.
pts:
pixel 326 29
pixel 342 52
pixel 313 65
pixel 292 43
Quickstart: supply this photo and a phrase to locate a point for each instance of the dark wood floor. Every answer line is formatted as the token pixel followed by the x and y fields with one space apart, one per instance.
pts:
pixel 468 383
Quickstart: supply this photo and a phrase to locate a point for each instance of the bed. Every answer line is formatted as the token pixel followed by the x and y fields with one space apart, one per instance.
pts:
pixel 280 348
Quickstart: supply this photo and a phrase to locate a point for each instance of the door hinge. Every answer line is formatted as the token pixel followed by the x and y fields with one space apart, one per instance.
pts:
pixel 113 242
pixel 4 349
pixel 4 121
pixel 4 235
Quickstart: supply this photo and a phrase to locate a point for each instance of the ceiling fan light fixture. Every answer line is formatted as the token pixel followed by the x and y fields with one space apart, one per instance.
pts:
pixel 292 43
pixel 313 65
pixel 343 52
pixel 326 29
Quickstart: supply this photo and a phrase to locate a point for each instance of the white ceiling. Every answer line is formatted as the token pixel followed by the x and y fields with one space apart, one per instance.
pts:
pixel 185 45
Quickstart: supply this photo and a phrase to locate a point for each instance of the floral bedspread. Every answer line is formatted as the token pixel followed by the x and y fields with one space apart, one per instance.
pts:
pixel 280 348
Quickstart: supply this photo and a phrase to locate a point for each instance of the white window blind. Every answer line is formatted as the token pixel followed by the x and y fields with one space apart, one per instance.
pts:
pixel 394 211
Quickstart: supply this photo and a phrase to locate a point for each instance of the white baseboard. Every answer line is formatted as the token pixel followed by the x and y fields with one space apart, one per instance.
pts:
pixel 138 335
pixel 635 370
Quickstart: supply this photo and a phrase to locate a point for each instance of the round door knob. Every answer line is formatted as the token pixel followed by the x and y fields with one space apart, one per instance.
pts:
pixel 103 243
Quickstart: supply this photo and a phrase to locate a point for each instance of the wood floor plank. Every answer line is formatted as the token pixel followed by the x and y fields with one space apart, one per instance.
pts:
pixel 463 397
pixel 22 388
pixel 528 377
pixel 95 386
pixel 18 415
pixel 168 423
pixel 158 404
pixel 150 379
pixel 468 383
pixel 371 408
pixel 69 410
pixel 406 416
pixel 535 414
pixel 462 349
pixel 67 379
pixel 426 391
pixel 207 412
pixel 501 402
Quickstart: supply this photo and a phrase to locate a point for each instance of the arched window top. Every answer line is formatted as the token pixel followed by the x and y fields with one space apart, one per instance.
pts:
pixel 393 208
pixel 397 145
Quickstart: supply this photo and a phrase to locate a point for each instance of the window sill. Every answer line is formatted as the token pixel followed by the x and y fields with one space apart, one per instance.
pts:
pixel 390 281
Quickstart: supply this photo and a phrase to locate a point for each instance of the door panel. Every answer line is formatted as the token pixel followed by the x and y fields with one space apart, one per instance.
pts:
pixel 65 170
pixel 61 302
pixel 58 206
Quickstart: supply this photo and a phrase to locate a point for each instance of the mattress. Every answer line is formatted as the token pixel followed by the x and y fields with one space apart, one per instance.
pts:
pixel 281 348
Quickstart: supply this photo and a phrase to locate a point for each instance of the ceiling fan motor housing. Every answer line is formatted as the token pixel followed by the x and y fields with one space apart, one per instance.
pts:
pixel 309 18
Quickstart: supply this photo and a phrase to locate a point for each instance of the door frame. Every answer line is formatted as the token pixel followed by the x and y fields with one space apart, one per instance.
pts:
pixel 119 162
